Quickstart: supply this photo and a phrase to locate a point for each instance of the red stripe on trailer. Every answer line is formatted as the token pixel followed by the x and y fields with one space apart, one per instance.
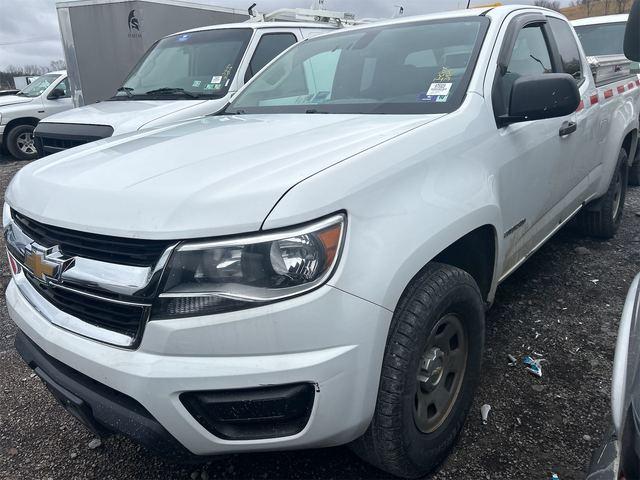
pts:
pixel 620 88
pixel 637 83
pixel 594 99
pixel 580 106
pixel 608 94
pixel 630 86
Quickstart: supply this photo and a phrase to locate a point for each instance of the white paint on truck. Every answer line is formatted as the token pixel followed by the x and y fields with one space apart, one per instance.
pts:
pixel 312 267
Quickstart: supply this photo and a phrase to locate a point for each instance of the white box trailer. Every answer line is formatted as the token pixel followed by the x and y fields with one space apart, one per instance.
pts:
pixel 104 39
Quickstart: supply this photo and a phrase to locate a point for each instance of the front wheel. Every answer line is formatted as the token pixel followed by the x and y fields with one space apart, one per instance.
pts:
pixel 430 371
pixel 20 142
pixel 603 218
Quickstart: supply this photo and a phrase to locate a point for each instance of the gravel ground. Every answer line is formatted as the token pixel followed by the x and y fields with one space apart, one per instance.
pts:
pixel 564 304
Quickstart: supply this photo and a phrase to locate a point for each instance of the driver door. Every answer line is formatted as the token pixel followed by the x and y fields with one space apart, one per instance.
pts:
pixel 533 157
pixel 53 103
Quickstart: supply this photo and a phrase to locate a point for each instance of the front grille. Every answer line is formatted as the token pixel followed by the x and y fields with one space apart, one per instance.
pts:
pixel 123 251
pixel 56 137
pixel 117 317
pixel 49 145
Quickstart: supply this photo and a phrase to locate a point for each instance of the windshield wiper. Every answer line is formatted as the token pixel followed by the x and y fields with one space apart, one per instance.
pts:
pixel 315 110
pixel 171 91
pixel 126 90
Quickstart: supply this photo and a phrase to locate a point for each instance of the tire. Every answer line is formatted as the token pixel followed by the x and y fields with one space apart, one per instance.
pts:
pixel 20 142
pixel 634 171
pixel 629 461
pixel 401 438
pixel 603 217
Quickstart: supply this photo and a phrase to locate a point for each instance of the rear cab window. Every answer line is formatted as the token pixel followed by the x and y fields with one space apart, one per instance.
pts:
pixel 602 39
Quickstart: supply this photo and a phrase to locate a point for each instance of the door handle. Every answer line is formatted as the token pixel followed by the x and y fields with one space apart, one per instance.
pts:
pixel 567 128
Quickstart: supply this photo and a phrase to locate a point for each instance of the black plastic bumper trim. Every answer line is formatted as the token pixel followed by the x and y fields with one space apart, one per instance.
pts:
pixel 274 411
pixel 99 407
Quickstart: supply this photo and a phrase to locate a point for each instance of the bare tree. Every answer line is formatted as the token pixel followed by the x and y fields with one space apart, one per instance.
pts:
pixel 57 65
pixel 622 5
pixel 550 4
pixel 588 4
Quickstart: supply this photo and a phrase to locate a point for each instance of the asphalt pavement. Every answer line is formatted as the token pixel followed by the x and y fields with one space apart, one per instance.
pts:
pixel 564 304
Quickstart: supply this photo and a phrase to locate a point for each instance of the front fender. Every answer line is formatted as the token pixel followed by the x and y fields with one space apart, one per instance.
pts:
pixel 407 200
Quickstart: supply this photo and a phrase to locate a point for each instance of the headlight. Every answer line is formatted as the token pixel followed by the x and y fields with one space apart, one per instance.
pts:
pixel 219 276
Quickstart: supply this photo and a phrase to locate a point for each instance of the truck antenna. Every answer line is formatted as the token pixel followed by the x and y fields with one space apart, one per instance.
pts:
pixel 250 10
pixel 468 3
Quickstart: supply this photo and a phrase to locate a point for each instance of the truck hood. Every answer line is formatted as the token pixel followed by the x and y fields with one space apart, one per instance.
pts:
pixel 211 176
pixel 124 116
pixel 14 100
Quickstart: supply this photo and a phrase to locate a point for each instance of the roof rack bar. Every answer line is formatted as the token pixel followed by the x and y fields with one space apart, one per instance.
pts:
pixel 306 15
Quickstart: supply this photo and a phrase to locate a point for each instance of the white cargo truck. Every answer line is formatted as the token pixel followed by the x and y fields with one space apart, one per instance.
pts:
pixel 104 39
pixel 312 267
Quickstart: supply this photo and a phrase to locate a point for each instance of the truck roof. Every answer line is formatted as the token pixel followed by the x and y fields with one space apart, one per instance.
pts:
pixel 472 12
pixel 493 12
pixel 258 26
pixel 599 20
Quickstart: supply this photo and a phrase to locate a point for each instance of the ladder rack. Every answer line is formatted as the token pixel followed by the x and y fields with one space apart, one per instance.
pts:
pixel 305 15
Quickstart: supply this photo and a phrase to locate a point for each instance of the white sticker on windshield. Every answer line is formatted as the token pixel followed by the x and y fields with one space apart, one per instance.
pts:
pixel 196 83
pixel 439 89
pixel 216 79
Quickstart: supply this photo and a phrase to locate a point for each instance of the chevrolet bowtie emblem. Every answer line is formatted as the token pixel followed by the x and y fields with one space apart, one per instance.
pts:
pixel 46 263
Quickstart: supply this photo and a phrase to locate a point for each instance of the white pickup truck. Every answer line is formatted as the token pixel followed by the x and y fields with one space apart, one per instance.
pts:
pixel 312 267
pixel 602 39
pixel 182 76
pixel 20 113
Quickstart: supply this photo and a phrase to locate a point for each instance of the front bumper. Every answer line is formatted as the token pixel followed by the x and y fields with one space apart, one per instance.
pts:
pixel 102 409
pixel 328 337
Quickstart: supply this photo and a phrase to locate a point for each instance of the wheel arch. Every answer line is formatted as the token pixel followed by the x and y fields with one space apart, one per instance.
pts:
pixel 475 253
pixel 21 121
pixel 473 249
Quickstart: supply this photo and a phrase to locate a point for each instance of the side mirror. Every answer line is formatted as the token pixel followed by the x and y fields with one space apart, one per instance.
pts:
pixel 632 34
pixel 55 94
pixel 536 97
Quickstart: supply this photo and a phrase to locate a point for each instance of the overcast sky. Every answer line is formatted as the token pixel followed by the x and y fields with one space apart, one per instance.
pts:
pixel 29 31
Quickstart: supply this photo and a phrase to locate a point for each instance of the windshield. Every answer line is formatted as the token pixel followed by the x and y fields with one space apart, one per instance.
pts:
pixel 189 65
pixel 405 68
pixel 603 39
pixel 39 85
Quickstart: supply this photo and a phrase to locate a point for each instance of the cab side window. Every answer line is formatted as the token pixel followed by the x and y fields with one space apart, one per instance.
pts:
pixel 567 47
pixel 530 56
pixel 269 47
pixel 63 88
